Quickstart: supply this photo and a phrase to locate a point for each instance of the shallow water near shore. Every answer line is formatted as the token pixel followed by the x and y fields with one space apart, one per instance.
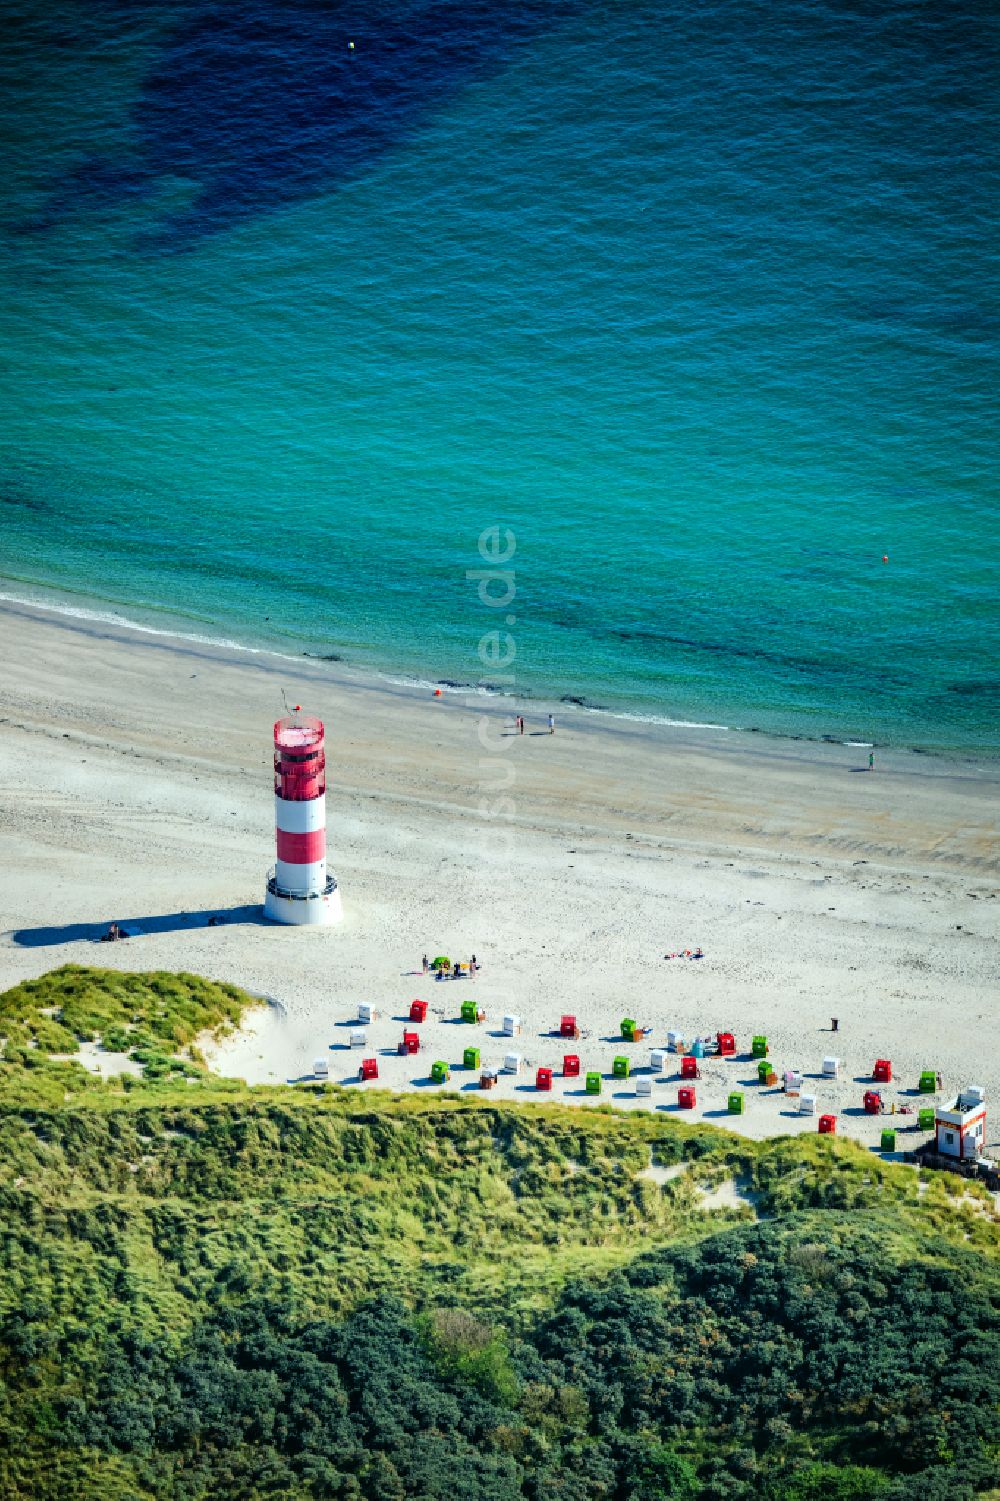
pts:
pixel 697 303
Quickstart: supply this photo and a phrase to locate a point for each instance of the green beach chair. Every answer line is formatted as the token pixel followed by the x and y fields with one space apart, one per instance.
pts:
pixel 620 1067
pixel 470 1058
pixel 469 1012
pixel 736 1102
pixel 628 1029
pixel 758 1048
pixel 888 1141
pixel 927 1083
pixel 440 1072
pixel 925 1118
pixel 593 1085
pixel 763 1072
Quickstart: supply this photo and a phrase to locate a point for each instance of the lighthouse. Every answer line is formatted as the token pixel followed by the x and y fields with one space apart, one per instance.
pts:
pixel 300 890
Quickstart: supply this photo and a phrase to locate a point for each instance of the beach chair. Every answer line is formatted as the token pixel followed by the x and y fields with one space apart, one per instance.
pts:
pixel 687 1098
pixel 643 1087
pixel 593 1083
pixel 543 1078
pixel 620 1067
pixel 827 1125
pixel 470 1058
pixel 368 1069
pixel 735 1102
pixel 571 1066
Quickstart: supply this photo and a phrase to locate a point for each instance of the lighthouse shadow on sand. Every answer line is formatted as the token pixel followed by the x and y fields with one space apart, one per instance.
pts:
pixel 138 927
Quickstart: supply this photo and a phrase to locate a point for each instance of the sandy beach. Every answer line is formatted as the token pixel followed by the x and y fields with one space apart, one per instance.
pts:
pixel 135 785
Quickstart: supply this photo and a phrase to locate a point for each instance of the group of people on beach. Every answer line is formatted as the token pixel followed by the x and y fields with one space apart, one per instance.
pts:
pixel 455 972
pixel 519 723
pixel 686 954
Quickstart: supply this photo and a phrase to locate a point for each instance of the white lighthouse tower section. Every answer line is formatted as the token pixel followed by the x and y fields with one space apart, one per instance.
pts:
pixel 301 818
pixel 300 889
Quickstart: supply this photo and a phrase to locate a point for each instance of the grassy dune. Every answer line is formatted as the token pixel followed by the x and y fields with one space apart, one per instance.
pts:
pixel 514 1273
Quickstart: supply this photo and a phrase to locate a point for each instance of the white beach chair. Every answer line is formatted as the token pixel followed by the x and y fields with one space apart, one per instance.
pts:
pixel 512 1063
pixel 359 1037
pixel 643 1087
pixel 511 1025
pixel 658 1060
pixel 807 1104
pixel 366 1012
pixel 831 1068
pixel 321 1068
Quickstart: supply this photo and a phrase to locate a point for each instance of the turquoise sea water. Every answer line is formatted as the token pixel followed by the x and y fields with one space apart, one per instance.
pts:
pixel 698 300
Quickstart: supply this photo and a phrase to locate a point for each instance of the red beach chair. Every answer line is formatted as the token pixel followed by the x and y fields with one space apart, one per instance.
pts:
pixel 571 1066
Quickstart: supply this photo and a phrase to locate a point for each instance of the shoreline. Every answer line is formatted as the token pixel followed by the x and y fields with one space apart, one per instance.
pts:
pixel 93 614
pixel 135 786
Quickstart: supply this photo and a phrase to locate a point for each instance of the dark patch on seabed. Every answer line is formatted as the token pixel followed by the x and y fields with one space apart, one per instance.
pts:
pixel 264 105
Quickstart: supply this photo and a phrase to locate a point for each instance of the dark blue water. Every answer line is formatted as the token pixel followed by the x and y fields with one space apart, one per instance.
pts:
pixel 700 302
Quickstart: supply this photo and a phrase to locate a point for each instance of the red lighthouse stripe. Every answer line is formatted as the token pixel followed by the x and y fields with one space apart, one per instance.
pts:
pixel 301 849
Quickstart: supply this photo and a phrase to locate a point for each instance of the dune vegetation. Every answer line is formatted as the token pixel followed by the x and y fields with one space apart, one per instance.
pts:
pixel 208 1290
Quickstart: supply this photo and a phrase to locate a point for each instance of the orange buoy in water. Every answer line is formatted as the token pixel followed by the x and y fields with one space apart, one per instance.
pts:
pixel 885 557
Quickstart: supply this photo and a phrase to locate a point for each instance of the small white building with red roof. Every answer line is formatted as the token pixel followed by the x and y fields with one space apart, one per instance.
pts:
pixel 960 1128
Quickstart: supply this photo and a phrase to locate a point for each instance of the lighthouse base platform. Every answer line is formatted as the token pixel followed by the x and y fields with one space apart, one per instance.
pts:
pixel 318 909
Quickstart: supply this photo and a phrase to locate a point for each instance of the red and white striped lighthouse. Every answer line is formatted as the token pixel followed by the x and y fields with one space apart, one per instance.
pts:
pixel 299 887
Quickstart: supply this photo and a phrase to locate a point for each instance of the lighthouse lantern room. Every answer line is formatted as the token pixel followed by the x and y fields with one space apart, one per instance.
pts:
pixel 300 890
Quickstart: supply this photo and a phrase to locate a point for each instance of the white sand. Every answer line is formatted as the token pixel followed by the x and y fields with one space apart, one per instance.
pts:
pixel 135 786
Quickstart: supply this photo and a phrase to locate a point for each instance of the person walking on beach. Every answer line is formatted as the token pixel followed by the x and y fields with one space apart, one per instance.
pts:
pixel 425 964
pixel 552 725
pixel 871 760
pixel 520 724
